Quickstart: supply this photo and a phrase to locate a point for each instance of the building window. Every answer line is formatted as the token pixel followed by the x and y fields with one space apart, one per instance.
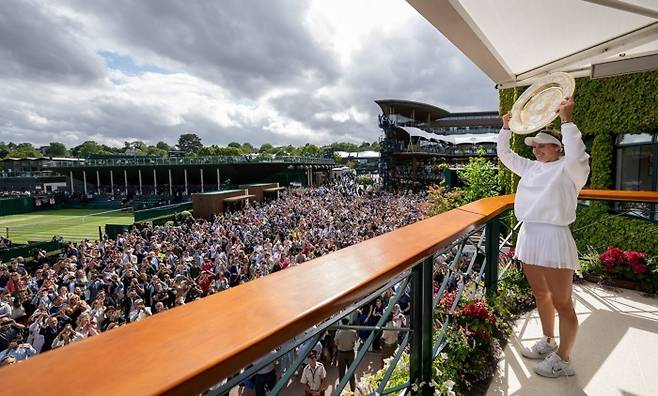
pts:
pixel 637 165
pixel 634 167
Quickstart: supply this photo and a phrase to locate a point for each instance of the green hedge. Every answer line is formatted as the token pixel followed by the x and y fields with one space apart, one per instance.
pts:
pixel 161 211
pixel 600 230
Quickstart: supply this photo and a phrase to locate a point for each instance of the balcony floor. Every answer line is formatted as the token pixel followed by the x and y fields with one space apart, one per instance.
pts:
pixel 616 351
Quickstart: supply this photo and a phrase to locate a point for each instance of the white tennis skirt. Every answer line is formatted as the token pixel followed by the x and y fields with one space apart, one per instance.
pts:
pixel 547 245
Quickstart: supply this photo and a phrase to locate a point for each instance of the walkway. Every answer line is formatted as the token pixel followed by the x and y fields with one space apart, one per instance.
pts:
pixel 616 351
pixel 371 363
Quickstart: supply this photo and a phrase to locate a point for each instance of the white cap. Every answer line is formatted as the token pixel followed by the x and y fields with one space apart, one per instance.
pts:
pixel 542 138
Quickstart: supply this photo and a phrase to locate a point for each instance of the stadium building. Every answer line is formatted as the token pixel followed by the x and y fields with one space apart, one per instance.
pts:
pixel 418 137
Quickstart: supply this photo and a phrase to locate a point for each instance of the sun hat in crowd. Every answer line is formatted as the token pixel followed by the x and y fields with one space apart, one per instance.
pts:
pixel 535 107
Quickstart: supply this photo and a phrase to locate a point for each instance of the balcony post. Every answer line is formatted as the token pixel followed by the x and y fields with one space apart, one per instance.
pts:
pixel 71 177
pixel 415 360
pixel 98 182
pixel 139 172
pixel 492 235
pixel 185 174
pixel 111 182
pixel 420 369
pixel 171 190
pixel 155 182
pixel 427 321
pixel 84 181
pixel 202 180
pixel 125 180
pixel 219 184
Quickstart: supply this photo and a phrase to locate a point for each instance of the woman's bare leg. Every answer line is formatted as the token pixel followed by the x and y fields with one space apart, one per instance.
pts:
pixel 560 284
pixel 542 293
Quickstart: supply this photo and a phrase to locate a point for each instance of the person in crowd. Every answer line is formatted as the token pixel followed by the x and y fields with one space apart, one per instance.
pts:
pixel 390 337
pixel 19 351
pixel 265 379
pixel 545 202
pixel 345 340
pixel 314 376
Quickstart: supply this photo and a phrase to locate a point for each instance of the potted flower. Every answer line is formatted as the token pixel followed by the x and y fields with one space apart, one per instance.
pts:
pixel 623 268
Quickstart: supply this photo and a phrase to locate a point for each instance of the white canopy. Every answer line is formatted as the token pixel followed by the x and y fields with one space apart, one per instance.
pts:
pixel 513 41
pixel 358 154
pixel 465 138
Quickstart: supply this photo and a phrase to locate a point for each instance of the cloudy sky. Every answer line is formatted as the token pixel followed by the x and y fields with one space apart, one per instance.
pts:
pixel 258 71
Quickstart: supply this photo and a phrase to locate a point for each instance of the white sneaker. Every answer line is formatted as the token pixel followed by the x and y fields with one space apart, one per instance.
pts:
pixel 553 366
pixel 540 350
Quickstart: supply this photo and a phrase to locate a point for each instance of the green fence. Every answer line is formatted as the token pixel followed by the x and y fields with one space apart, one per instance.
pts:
pixel 16 205
pixel 93 204
pixel 112 230
pixel 161 211
pixel 28 250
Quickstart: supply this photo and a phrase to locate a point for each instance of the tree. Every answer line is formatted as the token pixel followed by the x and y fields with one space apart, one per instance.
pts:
pixel 4 150
pixel 228 151
pixel 135 147
pixel 343 146
pixel 24 150
pixel 480 179
pixel 247 148
pixel 190 143
pixel 163 146
pixel 89 148
pixel 154 151
pixel 235 144
pixel 311 150
pixel 265 148
pixel 56 149
pixel 207 150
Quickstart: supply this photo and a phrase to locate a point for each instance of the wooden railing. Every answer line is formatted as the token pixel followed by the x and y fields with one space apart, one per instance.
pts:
pixel 188 349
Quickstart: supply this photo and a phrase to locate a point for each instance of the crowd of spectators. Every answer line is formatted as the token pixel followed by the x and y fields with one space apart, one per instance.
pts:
pixel 96 286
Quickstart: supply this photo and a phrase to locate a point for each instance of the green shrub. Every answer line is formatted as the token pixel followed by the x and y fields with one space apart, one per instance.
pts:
pixel 440 199
pixel 597 229
pixel 184 214
pixel 364 180
pixel 480 179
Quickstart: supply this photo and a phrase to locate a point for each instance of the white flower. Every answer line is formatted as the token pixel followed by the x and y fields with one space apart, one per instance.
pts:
pixel 414 387
pixel 444 355
pixel 450 393
pixel 449 384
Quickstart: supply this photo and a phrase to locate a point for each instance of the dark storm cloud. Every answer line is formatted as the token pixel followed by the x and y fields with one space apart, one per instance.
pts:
pixel 419 66
pixel 39 46
pixel 245 51
pixel 245 46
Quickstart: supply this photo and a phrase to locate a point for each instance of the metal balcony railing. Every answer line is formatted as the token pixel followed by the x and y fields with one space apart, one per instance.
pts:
pixel 193 348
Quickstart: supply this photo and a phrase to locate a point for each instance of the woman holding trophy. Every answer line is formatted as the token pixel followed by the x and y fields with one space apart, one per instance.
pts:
pixel 545 203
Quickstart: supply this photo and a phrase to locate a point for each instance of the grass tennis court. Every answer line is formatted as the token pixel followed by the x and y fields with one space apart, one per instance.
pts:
pixel 72 224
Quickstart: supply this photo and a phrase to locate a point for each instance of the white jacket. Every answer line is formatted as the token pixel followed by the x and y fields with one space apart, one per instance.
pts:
pixel 548 191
